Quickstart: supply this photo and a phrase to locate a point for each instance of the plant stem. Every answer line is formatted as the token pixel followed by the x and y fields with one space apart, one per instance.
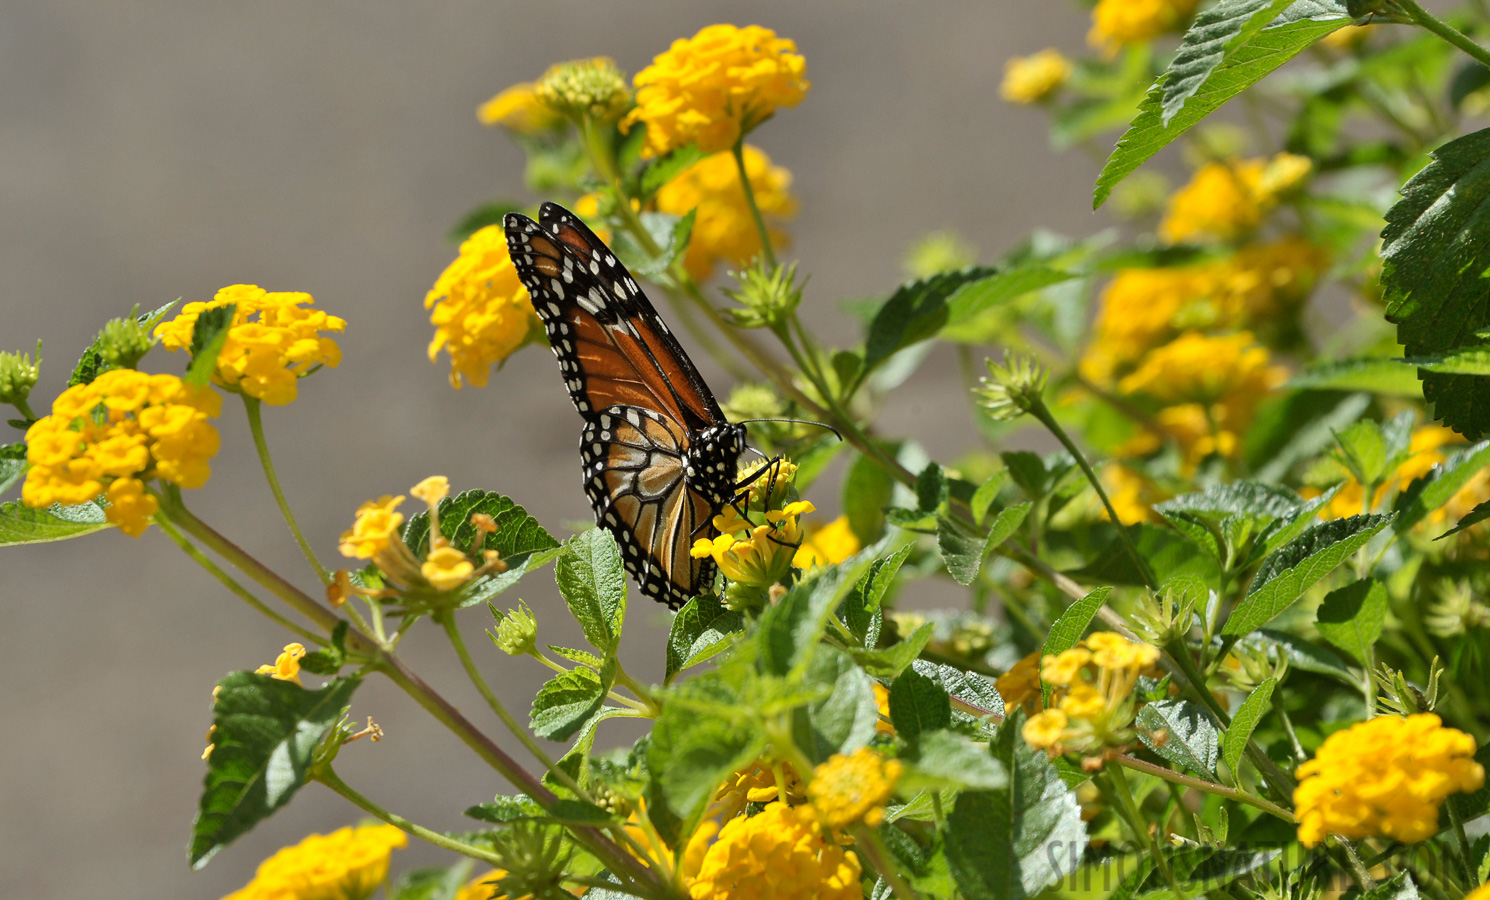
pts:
pixel 650 706
pixel 446 619
pixel 1353 864
pixel 1122 799
pixel 1042 412
pixel 1444 30
pixel 1461 839
pixel 869 843
pixel 256 427
pixel 1200 784
pixel 755 211
pixel 227 581
pixel 329 778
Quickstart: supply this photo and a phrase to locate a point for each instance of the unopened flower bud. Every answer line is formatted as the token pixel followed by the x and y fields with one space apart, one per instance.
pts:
pixel 123 342
pixel 593 87
pixel 18 375
pixel 517 632
pixel 769 295
pixel 1012 389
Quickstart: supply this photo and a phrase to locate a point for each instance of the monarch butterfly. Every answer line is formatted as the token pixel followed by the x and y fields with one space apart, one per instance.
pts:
pixel 659 456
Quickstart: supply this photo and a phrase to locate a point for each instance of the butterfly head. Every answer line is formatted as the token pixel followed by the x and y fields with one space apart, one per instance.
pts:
pixel 714 457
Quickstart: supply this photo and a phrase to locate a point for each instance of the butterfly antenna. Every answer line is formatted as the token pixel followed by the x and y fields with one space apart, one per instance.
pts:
pixel 795 422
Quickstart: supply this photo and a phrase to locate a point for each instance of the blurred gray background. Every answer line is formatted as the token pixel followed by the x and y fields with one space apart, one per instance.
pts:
pixel 150 151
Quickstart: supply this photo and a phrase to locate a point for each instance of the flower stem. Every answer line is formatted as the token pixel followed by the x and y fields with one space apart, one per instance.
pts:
pixel 329 778
pixel 875 853
pixel 755 211
pixel 1199 784
pixel 1128 809
pixel 650 707
pixel 1461 840
pixel 1444 30
pixel 227 581
pixel 452 631
pixel 256 428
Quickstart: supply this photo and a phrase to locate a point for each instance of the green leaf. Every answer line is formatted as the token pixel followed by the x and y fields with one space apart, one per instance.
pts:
pixel 1301 25
pixel 567 702
pixel 969 687
pixel 892 660
pixel 579 656
pixel 486 214
pixel 945 759
pixel 963 550
pixel 1218 29
pixel 861 609
pixel 592 580
pixel 703 628
pixel 1204 870
pixel 867 490
pixel 1013 842
pixel 665 168
pixel 20 524
pixel 12 464
pixel 91 364
pixel 1297 427
pixel 265 734
pixel 1262 502
pixel 1434 254
pixel 1428 494
pixel 918 705
pixel 1401 887
pixel 1071 625
pixel 1352 617
pixel 931 488
pixel 1480 513
pixel 442 883
pixel 1167 553
pixel 791 629
pixel 1387 377
pixel 1244 723
pixel 1464 361
pixel 504 810
pixel 845 719
pixel 518 534
pixel 691 752
pixel 1192 740
pixel 986 493
pixel 208 336
pixel 1294 568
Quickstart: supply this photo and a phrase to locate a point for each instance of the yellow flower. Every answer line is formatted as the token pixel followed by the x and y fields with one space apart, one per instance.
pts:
pixel 274 340
pixel 770 488
pixel 483 887
pixel 1221 201
pixel 882 706
pixel 761 560
pixel 723 228
pixel 347 864
pixel 781 852
pixel 757 783
pixel 1384 777
pixel 481 312
pixel 1425 451
pixel 1045 729
pixel 519 109
pixel 1282 174
pixel 1083 702
pixel 446 568
pixel 432 489
pixel 375 527
pixel 1118 23
pixel 113 434
pixel 1020 686
pixel 1030 79
pixel 584 87
pixel 848 789
pixel 286 667
pixel 1131 494
pixel 1092 705
pixel 832 543
pixel 713 88
pixel 1480 893
pixel 1064 667
pixel 1111 650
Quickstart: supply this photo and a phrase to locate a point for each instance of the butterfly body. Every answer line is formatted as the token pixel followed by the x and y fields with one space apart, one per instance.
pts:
pixel 659 458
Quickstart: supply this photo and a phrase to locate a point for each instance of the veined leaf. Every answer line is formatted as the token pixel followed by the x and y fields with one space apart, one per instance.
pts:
pixel 843 721
pixel 20 524
pixel 208 336
pixel 1352 617
pixel 918 705
pixel 1295 567
pixel 1068 629
pixel 1301 24
pixel 945 759
pixel 1428 494
pixel 1244 723
pixel 567 701
pixel 1480 513
pixel 592 581
pixel 701 629
pixel 691 751
pixel 1220 28
pixel 1465 361
pixel 1192 740
pixel 265 732
pixel 892 660
pixel 12 464
pixel 518 534
pixel 1435 251
pixel 861 608
pixel 1388 377
pixel 867 489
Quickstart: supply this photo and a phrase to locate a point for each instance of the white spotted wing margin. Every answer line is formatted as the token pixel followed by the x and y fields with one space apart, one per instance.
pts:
pixel 636 477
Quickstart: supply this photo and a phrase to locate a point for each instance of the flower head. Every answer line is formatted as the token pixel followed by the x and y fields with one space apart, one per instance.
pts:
pixel 113 434
pixel 273 341
pixel 375 527
pixel 1020 686
pixel 18 375
pixel 446 568
pixel 713 88
pixel 517 631
pixel 432 489
pixel 853 788
pixel 286 667
pixel 1222 200
pixel 831 543
pixel 347 864
pixel 1030 79
pixel 584 87
pixel 1118 23
pixel 1091 704
pixel 481 312
pixel 780 852
pixel 518 108
pixel 1384 777
pixel 723 227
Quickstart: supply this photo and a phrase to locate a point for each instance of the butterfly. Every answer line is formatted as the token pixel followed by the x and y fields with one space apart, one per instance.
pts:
pixel 659 456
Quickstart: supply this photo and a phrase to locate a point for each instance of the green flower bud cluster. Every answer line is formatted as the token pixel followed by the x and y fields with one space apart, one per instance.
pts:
pixel 18 376
pixel 517 631
pixel 590 87
pixel 769 295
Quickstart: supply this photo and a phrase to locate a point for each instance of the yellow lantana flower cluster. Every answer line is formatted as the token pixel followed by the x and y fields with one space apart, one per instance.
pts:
pixel 347 864
pixel 111 435
pixel 286 666
pixel 713 88
pixel 763 556
pixel 1092 705
pixel 1119 23
pixel 481 311
pixel 1225 200
pixel 273 342
pixel 723 228
pixel 1030 79
pixel 1385 777
pixel 853 788
pixel 375 535
pixel 1426 451
pixel 832 543
pixel 781 852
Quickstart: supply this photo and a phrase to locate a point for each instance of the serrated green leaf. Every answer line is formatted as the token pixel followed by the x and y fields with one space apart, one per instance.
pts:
pixel 861 608
pixel 918 705
pixel 1191 741
pixel 1168 555
pixel 1480 513
pixel 1295 567
pixel 20 524
pixel 931 488
pixel 703 628
pixel 579 656
pixel 1362 449
pixel 1244 723
pixel 1465 361
pixel 1217 29
pixel 986 493
pixel 1204 870
pixel 1264 502
pixel 518 534
pixel 1243 67
pixel 844 720
pixel 963 550
pixel 208 336
pixel 665 168
pixel 690 752
pixel 945 759
pixel 790 629
pixel 867 490
pixel 486 214
pixel 12 464
pixel 1387 377
pixel 892 660
pixel 592 580
pixel 1013 842
pixel 1434 260
pixel 1351 617
pixel 968 687
pixel 1401 887
pixel 1427 494
pixel 265 733
pixel 567 702
pixel 441 883
pixel 1068 629
pixel 504 810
